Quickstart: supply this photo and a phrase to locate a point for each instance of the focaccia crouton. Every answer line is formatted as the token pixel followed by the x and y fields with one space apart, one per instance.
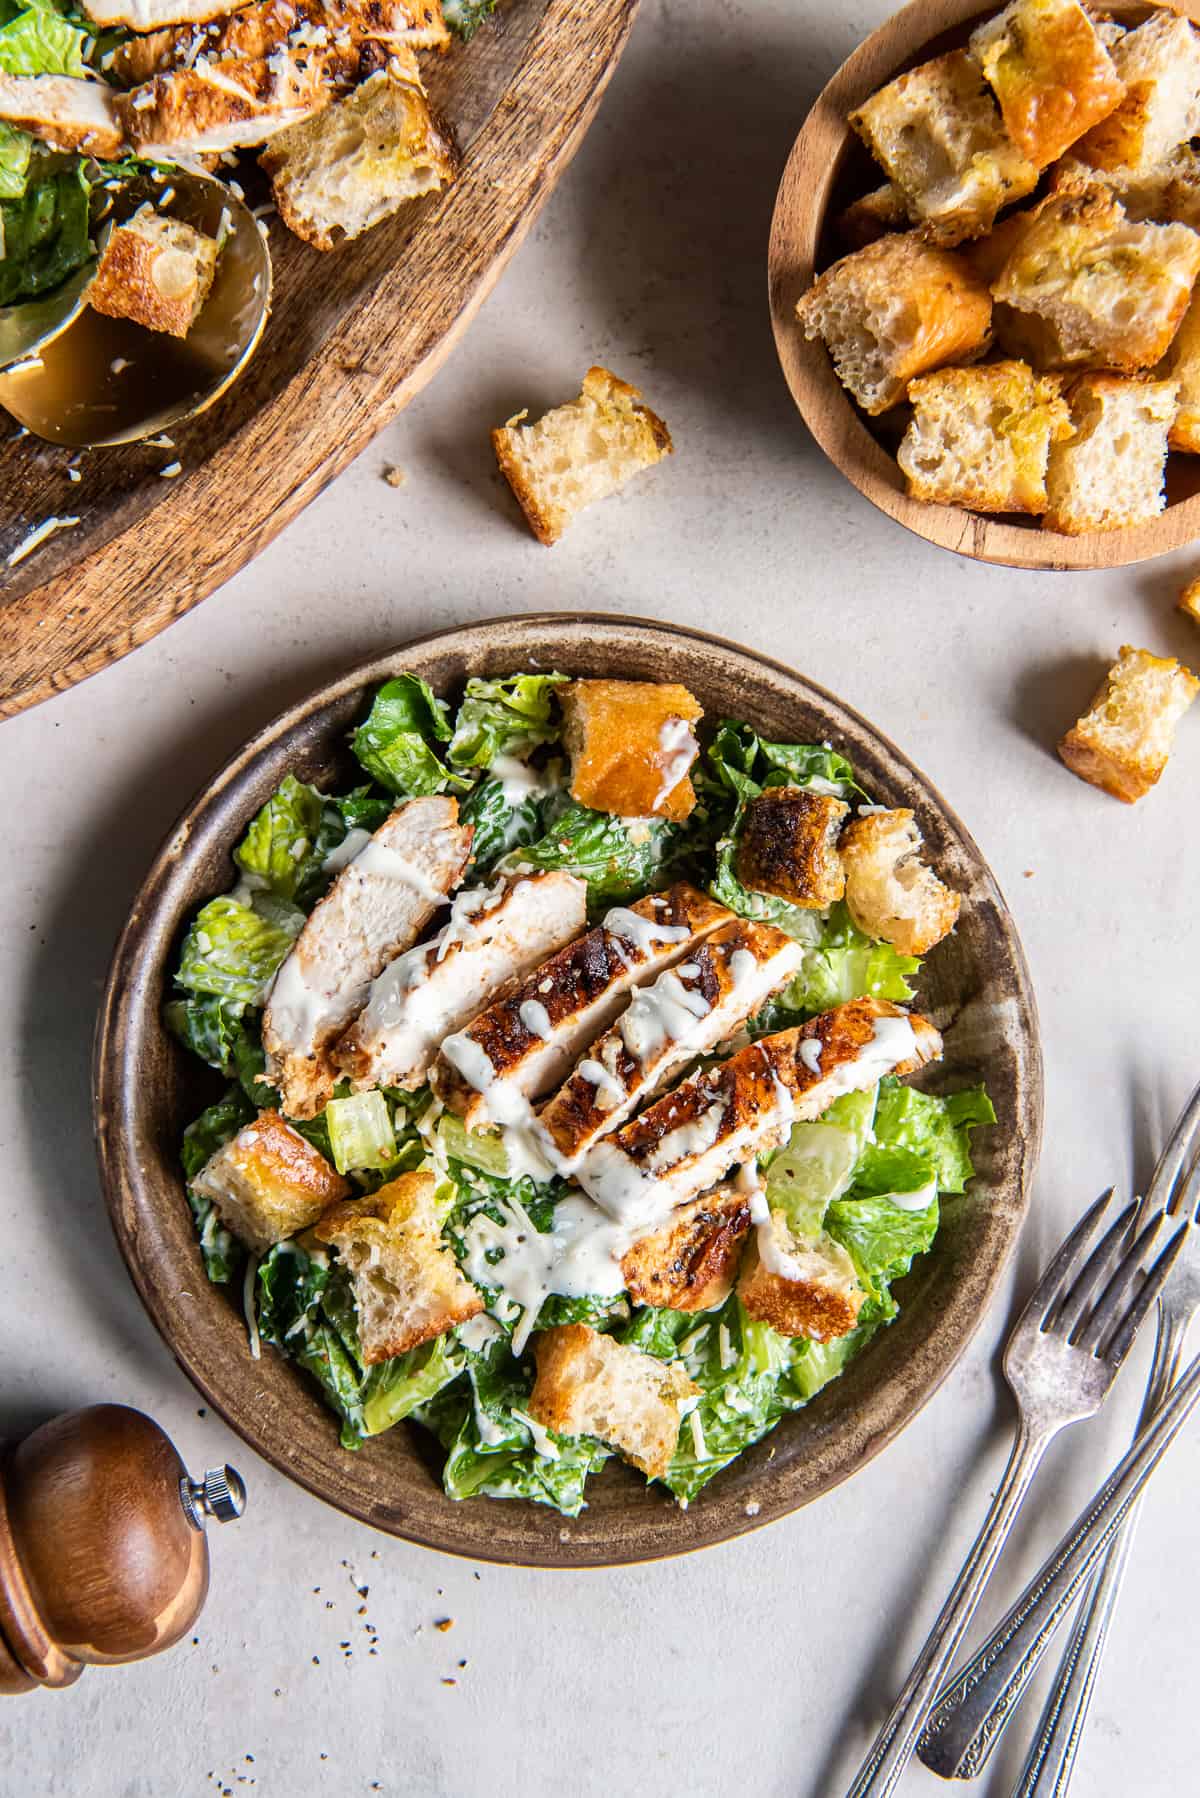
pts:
pixel 788 847
pixel 407 1284
pixel 1182 364
pixel 356 163
pixel 631 746
pixel 890 892
pixel 268 1182
pixel 1168 193
pixel 981 437
pixel 589 1385
pixel 872 217
pixel 690 1263
pixel 938 134
pixel 800 1286
pixel 580 452
pixel 1109 472
pixel 894 310
pixel 1050 72
pixel 157 271
pixel 1114 291
pixel 1189 599
pixel 1159 64
pixel 1123 740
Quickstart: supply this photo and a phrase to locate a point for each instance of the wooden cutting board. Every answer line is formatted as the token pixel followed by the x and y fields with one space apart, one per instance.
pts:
pixel 353 335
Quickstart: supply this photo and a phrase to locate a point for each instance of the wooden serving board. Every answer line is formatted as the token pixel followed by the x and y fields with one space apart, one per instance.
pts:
pixel 353 335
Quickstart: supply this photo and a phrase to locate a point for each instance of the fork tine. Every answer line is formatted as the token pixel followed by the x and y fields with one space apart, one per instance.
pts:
pixel 1118 1346
pixel 1064 1315
pixel 1050 1287
pixel 1182 1140
pixel 1110 1306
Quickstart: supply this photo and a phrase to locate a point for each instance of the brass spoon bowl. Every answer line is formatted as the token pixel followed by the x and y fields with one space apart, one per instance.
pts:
pixel 91 380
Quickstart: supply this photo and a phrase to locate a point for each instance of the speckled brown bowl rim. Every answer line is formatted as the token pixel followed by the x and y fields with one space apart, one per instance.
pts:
pixel 976 986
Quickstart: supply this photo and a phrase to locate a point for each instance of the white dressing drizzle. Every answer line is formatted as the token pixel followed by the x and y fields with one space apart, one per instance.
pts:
pixel 679 750
pixel 536 1019
pixel 352 844
pixel 579 1258
pixel 610 1092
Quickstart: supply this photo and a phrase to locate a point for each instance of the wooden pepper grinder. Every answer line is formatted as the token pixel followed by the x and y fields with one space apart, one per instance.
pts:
pixel 103 1551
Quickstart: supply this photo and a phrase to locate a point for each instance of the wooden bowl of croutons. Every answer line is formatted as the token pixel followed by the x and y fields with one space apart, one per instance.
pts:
pixel 982 264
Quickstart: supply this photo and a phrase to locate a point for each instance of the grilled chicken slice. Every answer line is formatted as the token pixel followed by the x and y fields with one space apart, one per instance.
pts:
pixel 524 1043
pixel 214 106
pixel 149 15
pixel 747 1106
pixel 689 1265
pixel 687 1011
pixel 418 23
pixel 376 908
pixel 493 936
pixel 64 111
pixel 349 39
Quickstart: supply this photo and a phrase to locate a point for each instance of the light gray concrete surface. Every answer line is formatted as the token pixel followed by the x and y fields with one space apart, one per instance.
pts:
pixel 762 1667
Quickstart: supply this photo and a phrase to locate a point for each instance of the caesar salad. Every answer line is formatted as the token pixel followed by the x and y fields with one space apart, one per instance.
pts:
pixel 565 1108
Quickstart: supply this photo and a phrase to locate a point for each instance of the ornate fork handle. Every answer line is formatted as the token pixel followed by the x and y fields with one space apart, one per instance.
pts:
pixel 969 1715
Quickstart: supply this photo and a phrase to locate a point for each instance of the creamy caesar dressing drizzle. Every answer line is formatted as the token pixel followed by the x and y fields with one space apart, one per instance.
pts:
pixel 829 789
pixel 610 1092
pixel 678 750
pixel 660 1015
pixel 517 779
pixel 543 1443
pixel 687 1141
pixel 810 1053
pixel 352 844
pixel 297 1011
pixel 388 864
pixel 536 1019
pixel 919 1200
pixel 629 926
pixel 478 1331
pixel 580 1257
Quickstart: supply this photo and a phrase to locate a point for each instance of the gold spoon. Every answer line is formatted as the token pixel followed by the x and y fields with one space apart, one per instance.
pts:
pixel 88 379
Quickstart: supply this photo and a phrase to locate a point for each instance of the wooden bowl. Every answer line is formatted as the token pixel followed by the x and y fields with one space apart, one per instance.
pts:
pixel 827 169
pixel 976 986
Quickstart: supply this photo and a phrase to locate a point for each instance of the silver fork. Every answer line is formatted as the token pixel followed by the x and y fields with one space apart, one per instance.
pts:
pixel 1060 1362
pixel 969 1716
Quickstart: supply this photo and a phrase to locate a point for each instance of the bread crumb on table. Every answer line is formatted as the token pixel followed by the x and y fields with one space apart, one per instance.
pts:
pixel 395 477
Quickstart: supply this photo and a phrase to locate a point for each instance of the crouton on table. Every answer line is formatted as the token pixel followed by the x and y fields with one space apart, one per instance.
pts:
pixel 788 846
pixel 1123 740
pixel 981 437
pixel 1114 291
pixel 268 1182
pixel 894 310
pixel 938 135
pixel 631 746
pixel 580 452
pixel 156 271
pixel 1050 72
pixel 891 892
pixel 589 1385
pixel 407 1284
pixel 1109 472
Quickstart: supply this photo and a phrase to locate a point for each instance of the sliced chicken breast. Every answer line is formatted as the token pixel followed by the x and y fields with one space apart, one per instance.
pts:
pixel 493 936
pixel 64 111
pixel 214 106
pixel 687 1011
pixel 689 1264
pixel 525 1043
pixel 149 15
pixel 350 39
pixel 747 1106
pixel 376 908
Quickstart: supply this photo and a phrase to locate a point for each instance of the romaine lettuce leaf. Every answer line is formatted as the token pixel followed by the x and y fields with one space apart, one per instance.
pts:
pixel 466 16
pixel 39 41
pixel 222 1253
pixel 841 964
pixel 811 765
pixel 360 1131
pixel 818 1162
pixel 938 1131
pixel 394 1389
pixel 500 823
pixel 280 842
pixel 232 950
pixel 210 1027
pixel 395 742
pixel 16 148
pixel 881 1236
pixel 620 858
pixel 44 233
pixel 504 717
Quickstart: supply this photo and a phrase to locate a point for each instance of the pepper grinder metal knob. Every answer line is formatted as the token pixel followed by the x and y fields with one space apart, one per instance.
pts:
pixel 220 1494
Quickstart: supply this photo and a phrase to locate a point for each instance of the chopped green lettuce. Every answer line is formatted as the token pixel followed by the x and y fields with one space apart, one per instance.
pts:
pixel 38 40
pixel 936 1130
pixel 620 858
pixel 43 229
pixel 881 1236
pixel 510 716
pixel 395 742
pixel 360 1131
pixel 811 765
pixel 16 149
pixel 223 1254
pixel 502 822
pixel 466 16
pixel 232 950
pixel 393 1390
pixel 210 1027
pixel 818 1162
pixel 279 844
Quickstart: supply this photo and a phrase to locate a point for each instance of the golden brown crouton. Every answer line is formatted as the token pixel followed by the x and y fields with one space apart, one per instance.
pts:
pixel 1168 193
pixel 872 217
pixel 1182 364
pixel 938 134
pixel 407 1284
pixel 268 1182
pixel 1123 740
pixel 1114 291
pixel 891 893
pixel 690 1263
pixel 631 746
pixel 894 310
pixel 1159 64
pixel 157 271
pixel 981 437
pixel 579 452
pixel 589 1385
pixel 1189 599
pixel 800 1286
pixel 1109 472
pixel 1050 72
pixel 788 847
